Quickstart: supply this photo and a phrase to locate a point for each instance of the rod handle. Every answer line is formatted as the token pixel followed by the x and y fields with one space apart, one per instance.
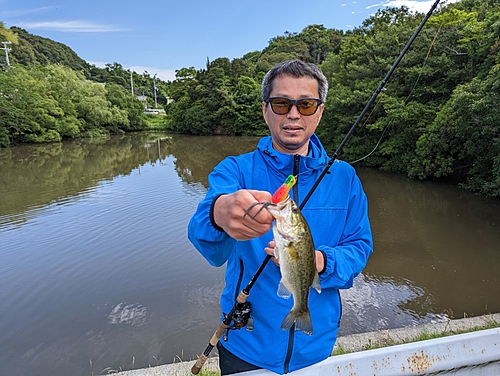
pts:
pixel 211 344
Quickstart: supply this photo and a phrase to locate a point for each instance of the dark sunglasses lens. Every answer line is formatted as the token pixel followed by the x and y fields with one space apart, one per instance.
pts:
pixel 280 106
pixel 307 106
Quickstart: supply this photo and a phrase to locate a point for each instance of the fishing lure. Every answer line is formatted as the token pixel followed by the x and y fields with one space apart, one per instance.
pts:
pixel 282 192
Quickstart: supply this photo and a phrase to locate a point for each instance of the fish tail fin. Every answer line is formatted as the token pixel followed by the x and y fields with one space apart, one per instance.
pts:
pixel 302 321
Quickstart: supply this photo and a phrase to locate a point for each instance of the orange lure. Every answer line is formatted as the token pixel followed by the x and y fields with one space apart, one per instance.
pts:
pixel 282 192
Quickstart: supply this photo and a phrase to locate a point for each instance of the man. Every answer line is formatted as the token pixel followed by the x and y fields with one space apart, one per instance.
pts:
pixel 293 93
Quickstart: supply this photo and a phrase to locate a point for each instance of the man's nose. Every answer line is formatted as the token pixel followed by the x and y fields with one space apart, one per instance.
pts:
pixel 294 112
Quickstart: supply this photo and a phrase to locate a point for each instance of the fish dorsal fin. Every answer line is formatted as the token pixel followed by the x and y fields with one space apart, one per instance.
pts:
pixel 283 291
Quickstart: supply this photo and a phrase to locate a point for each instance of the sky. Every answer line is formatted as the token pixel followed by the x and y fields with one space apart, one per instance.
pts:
pixel 161 36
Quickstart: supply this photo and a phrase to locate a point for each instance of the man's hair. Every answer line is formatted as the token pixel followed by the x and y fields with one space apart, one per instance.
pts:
pixel 296 68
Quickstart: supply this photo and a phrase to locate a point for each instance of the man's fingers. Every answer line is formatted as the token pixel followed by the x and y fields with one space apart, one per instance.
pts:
pixel 241 214
pixel 256 212
pixel 271 252
pixel 248 212
pixel 261 196
pixel 248 228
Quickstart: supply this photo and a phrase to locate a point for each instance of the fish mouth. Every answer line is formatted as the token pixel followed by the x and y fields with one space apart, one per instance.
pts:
pixel 275 212
pixel 277 209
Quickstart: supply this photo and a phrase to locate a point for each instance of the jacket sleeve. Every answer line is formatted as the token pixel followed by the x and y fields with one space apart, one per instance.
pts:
pixel 348 258
pixel 215 245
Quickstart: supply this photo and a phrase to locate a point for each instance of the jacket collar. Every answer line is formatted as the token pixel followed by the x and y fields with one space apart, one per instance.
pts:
pixel 282 163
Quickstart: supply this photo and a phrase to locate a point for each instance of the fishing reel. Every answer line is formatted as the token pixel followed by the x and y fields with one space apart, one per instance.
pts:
pixel 240 318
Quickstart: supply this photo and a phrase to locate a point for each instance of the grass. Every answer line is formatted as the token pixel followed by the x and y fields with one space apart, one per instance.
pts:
pixel 204 372
pixel 157 122
pixel 423 336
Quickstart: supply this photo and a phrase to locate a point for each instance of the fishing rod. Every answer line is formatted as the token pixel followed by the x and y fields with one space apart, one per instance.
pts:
pixel 368 105
pixel 240 313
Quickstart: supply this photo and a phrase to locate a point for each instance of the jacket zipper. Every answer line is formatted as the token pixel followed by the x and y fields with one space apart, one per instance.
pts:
pixel 296 160
pixel 291 336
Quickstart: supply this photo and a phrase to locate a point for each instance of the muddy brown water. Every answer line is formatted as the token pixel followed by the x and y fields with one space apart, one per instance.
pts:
pixel 97 272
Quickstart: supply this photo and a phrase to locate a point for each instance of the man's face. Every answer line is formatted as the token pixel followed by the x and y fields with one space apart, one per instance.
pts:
pixel 291 132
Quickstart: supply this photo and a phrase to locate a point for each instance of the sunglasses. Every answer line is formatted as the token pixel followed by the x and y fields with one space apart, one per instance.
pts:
pixel 282 106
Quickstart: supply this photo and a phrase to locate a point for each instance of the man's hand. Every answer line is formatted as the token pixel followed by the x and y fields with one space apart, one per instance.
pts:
pixel 229 213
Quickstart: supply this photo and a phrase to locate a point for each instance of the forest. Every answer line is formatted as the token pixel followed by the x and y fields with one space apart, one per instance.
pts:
pixel 437 117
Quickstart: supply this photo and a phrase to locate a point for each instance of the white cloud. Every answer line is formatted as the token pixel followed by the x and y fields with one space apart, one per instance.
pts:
pixel 413 5
pixel 71 26
pixel 22 12
pixel 378 5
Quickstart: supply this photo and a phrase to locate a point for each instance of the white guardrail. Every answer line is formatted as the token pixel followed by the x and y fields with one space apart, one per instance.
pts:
pixel 476 353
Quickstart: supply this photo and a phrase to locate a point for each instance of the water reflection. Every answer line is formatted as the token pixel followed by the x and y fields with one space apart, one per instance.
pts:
pixel 95 261
pixel 195 161
pixel 36 176
pixel 379 302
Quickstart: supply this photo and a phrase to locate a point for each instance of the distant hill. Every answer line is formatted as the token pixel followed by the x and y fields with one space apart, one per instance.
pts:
pixel 33 49
pixel 29 50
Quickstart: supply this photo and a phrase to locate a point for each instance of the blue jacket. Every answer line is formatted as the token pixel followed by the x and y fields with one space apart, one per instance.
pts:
pixel 337 214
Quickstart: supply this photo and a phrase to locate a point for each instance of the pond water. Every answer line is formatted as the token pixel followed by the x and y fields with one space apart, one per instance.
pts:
pixel 97 273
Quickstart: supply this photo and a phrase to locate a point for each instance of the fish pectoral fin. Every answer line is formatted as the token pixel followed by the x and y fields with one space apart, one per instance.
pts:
pixel 316 284
pixel 283 291
pixel 293 252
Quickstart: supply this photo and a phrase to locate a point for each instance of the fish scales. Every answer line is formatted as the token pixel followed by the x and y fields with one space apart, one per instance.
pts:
pixel 294 249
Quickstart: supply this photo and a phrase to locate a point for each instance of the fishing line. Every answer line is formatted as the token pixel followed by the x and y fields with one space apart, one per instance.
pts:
pixel 404 103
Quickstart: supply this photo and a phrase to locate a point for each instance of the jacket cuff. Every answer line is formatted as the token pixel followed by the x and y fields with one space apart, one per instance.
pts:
pixel 325 262
pixel 212 220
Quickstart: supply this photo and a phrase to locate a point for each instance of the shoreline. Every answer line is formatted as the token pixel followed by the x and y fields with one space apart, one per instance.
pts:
pixel 346 344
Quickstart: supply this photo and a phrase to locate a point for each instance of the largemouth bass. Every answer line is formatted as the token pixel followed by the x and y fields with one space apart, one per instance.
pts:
pixel 294 249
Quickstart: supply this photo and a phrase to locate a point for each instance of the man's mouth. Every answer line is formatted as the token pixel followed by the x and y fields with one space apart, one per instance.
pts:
pixel 292 128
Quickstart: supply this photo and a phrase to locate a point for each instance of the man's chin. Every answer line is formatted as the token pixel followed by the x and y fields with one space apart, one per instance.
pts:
pixel 292 146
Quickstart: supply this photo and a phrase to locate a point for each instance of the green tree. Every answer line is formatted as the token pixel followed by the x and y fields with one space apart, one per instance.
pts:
pixel 280 48
pixel 124 100
pixel 96 114
pixel 45 51
pixel 248 109
pixel 27 111
pixel 320 41
pixel 464 140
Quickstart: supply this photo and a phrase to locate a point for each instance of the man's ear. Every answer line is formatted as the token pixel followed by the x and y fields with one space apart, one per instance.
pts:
pixel 264 110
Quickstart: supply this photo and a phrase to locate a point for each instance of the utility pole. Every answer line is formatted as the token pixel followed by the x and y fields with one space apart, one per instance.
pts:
pixel 131 82
pixel 7 50
pixel 155 88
